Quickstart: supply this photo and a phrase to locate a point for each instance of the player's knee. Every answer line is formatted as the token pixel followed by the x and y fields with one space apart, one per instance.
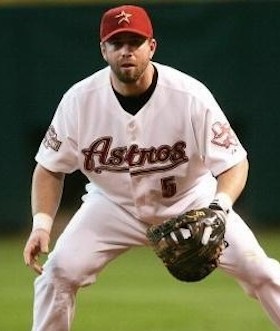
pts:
pixel 68 272
pixel 260 271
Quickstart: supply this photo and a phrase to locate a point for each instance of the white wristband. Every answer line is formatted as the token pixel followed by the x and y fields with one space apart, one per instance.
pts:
pixel 224 201
pixel 42 221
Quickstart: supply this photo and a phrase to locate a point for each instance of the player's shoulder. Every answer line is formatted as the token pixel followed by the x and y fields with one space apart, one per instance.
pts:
pixel 94 82
pixel 177 80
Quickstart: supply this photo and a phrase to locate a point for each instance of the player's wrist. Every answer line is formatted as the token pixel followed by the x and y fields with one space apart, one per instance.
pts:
pixel 42 221
pixel 223 202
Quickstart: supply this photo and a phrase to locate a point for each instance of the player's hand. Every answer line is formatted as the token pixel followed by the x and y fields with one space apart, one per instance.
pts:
pixel 37 243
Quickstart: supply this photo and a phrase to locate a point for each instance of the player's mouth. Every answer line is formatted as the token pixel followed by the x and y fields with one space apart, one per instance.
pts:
pixel 127 65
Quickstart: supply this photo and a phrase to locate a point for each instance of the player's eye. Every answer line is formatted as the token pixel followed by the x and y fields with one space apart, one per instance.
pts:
pixel 136 42
pixel 116 44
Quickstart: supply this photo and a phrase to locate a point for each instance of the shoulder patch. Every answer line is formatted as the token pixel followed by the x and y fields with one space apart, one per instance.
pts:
pixel 223 135
pixel 51 140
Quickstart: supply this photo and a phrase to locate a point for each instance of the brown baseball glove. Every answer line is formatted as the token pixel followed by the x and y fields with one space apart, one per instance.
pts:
pixel 190 245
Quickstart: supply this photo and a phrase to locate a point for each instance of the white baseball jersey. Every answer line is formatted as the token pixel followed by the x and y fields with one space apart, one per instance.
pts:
pixel 155 164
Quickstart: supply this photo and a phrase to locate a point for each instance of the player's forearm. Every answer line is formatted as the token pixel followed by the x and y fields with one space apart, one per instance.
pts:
pixel 233 181
pixel 47 188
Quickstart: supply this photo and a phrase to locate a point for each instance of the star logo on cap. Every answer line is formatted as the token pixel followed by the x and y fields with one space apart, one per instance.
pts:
pixel 123 17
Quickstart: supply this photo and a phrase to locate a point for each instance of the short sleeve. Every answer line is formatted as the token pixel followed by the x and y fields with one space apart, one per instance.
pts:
pixel 58 149
pixel 218 144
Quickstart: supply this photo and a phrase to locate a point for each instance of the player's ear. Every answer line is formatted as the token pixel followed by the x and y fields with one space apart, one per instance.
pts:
pixel 103 50
pixel 153 46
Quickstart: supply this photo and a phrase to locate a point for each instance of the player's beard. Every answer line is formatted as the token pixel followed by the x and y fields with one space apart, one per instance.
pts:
pixel 129 75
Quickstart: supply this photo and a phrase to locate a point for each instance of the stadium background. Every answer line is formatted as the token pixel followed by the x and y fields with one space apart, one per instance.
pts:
pixel 45 47
pixel 232 46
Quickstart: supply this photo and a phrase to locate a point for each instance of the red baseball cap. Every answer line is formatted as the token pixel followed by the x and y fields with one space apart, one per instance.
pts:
pixel 126 18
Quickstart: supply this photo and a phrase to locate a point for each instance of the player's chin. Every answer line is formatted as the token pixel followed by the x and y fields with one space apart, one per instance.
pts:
pixel 128 78
pixel 128 75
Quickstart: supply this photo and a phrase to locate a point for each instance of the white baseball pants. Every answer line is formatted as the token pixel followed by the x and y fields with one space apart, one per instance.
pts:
pixel 101 230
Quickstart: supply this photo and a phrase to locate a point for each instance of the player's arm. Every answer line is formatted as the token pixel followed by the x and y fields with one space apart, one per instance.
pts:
pixel 233 181
pixel 46 192
pixel 47 188
pixel 230 184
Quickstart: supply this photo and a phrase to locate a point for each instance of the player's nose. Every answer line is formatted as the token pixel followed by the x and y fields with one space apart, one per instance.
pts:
pixel 127 49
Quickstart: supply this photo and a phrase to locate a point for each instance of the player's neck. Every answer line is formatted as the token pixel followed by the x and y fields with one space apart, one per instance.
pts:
pixel 136 88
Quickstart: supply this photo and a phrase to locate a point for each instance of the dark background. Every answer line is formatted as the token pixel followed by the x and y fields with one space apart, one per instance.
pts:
pixel 234 48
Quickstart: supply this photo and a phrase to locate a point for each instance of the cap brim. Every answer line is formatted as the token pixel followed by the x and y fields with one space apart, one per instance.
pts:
pixel 113 33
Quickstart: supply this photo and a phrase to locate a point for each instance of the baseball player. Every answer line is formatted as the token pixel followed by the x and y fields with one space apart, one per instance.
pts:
pixel 153 143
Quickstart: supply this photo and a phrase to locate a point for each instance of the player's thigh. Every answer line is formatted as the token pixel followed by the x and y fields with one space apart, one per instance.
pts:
pixel 108 223
pixel 243 248
pixel 98 232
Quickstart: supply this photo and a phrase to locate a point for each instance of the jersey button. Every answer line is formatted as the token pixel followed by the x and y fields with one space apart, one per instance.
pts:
pixel 131 125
